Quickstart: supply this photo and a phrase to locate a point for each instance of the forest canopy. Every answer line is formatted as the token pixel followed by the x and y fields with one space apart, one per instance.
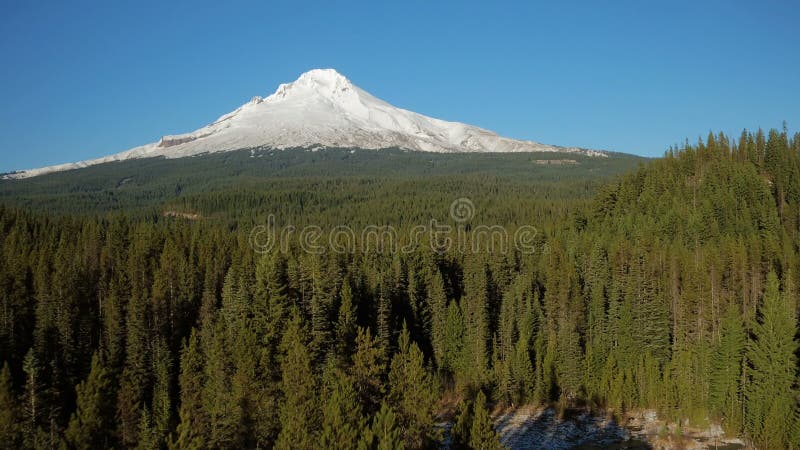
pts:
pixel 672 287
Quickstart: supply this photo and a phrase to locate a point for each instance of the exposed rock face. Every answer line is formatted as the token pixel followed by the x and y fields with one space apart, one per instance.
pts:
pixel 171 141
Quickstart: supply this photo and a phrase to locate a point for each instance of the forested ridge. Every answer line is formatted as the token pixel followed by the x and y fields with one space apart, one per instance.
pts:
pixel 137 187
pixel 675 288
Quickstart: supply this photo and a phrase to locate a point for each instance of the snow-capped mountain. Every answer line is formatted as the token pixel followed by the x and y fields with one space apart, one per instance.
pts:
pixel 321 109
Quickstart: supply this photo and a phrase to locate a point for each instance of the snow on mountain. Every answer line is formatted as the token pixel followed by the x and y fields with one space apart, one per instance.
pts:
pixel 322 108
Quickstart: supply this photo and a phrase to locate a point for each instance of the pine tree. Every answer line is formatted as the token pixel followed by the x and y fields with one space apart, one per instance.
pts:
pixel 522 369
pixel 461 429
pixel 725 395
pixel 299 420
pixel 475 310
pixel 482 435
pixel 192 426
pixel 412 393
pixel 453 351
pixel 438 306
pixel 342 421
pixel 9 418
pixel 505 341
pixel 243 354
pixel 346 324
pixel 162 391
pixel 569 360
pixel 271 300
pixel 16 315
pixel 271 304
pixel 146 437
pixel 545 369
pixel 368 370
pixel 420 313
pixel 219 404
pixel 322 302
pixel 90 425
pixel 114 324
pixel 31 410
pixel 136 374
pixel 384 318
pixel 384 433
pixel 771 402
pixel 245 384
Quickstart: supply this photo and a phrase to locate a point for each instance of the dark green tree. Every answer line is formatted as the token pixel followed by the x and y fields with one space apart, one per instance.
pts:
pixel 437 299
pixel 91 425
pixel 384 433
pixel 412 393
pixel 9 417
pixel 771 400
pixel 342 420
pixel 726 371
pixel 346 323
pixel 482 435
pixel 299 417
pixel 192 428
pixel 463 425
pixel 368 371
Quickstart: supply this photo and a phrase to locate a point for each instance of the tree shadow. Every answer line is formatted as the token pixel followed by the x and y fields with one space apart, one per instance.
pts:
pixel 578 429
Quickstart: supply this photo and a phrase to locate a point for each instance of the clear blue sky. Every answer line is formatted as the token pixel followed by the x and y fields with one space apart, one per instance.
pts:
pixel 85 79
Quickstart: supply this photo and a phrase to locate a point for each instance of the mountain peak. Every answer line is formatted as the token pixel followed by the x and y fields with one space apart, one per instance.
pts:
pixel 322 109
pixel 324 77
pixel 321 82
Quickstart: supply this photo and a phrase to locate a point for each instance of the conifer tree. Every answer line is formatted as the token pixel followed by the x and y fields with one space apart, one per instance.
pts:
pixel 162 391
pixel 368 370
pixel 218 401
pixel 246 388
pixel 522 369
pixel 384 318
pixel 725 393
pixel 438 306
pixel 114 324
pixel 271 304
pixel 482 435
pixel 463 425
pixel 346 324
pixel 771 401
pixel 192 427
pixel 475 310
pixel 505 341
pixel 569 360
pixel 299 417
pixel 136 375
pixel 31 409
pixel 342 420
pixel 453 351
pixel 90 425
pixel 9 418
pixel 271 299
pixel 412 393
pixel 545 370
pixel 383 434
pixel 146 437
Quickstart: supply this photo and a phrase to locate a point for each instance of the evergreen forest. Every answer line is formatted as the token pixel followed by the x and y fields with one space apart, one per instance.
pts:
pixel 136 313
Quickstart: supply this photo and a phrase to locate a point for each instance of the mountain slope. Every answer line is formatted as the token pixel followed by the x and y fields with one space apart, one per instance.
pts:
pixel 151 182
pixel 322 108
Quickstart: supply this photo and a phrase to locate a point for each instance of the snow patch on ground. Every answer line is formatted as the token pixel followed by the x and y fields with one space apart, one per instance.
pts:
pixel 528 428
